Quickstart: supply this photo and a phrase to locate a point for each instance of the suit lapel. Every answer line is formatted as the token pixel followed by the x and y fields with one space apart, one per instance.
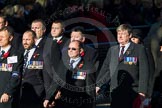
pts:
pixel 42 42
pixel 79 65
pixel 129 50
pixel 116 53
pixel 62 42
pixel 49 42
pixel 34 55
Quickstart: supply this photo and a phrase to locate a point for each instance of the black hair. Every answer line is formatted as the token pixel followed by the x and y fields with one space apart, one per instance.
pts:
pixel 78 29
pixel 9 29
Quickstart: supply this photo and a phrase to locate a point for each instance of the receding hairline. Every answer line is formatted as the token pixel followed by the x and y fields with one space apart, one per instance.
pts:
pixel 80 45
pixel 33 34
pixel 41 22
pixel 59 22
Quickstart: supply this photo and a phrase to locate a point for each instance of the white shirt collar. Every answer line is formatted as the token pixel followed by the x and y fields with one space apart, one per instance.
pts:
pixel 38 40
pixel 57 38
pixel 31 52
pixel 77 60
pixel 6 49
pixel 126 47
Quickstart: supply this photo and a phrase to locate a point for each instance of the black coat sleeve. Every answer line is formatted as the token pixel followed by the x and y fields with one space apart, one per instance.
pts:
pixel 15 76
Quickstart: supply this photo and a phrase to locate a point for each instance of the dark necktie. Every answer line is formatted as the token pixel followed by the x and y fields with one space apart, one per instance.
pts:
pixel 71 64
pixel 2 53
pixel 55 40
pixel 121 53
pixel 25 60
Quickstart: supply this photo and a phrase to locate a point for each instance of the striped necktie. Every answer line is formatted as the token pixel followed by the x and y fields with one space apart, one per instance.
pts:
pixel 2 53
pixel 121 53
pixel 25 60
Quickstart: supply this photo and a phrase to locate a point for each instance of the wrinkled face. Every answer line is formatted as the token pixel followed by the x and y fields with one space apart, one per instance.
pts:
pixel 37 27
pixel 5 38
pixel 77 36
pixel 73 50
pixel 27 40
pixel 2 23
pixel 123 36
pixel 135 40
pixel 56 29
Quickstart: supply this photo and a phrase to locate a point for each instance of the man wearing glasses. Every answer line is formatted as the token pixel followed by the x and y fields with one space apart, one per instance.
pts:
pixel 78 75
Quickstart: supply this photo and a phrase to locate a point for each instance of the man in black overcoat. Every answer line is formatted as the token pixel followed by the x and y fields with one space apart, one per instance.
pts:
pixel 126 56
pixel 32 86
pixel 11 62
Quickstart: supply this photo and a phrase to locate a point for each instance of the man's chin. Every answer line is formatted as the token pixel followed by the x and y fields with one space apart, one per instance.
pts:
pixel 26 47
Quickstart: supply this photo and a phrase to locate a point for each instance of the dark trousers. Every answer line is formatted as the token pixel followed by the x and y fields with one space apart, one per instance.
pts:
pixel 123 98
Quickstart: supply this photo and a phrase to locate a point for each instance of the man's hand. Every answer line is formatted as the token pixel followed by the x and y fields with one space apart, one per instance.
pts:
pixel 97 90
pixel 142 96
pixel 4 98
pixel 58 95
pixel 47 105
pixel 51 105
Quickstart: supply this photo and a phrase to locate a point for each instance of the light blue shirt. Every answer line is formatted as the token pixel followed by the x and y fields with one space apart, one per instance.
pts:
pixel 77 60
pixel 30 54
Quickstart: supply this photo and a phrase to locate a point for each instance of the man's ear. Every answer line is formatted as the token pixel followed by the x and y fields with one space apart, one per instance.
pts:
pixel 10 38
pixel 81 50
pixel 44 30
pixel 83 39
pixel 35 39
pixel 130 35
pixel 6 23
pixel 63 30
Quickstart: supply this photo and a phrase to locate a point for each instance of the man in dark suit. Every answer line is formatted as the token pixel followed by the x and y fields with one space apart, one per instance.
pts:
pixel 52 54
pixel 39 27
pixel 10 70
pixel 78 75
pixel 32 87
pixel 57 34
pixel 126 56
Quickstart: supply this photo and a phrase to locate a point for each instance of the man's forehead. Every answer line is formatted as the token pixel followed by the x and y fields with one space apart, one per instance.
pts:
pixel 36 24
pixel 76 33
pixel 27 34
pixel 74 43
pixel 123 31
pixel 4 31
pixel 56 24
